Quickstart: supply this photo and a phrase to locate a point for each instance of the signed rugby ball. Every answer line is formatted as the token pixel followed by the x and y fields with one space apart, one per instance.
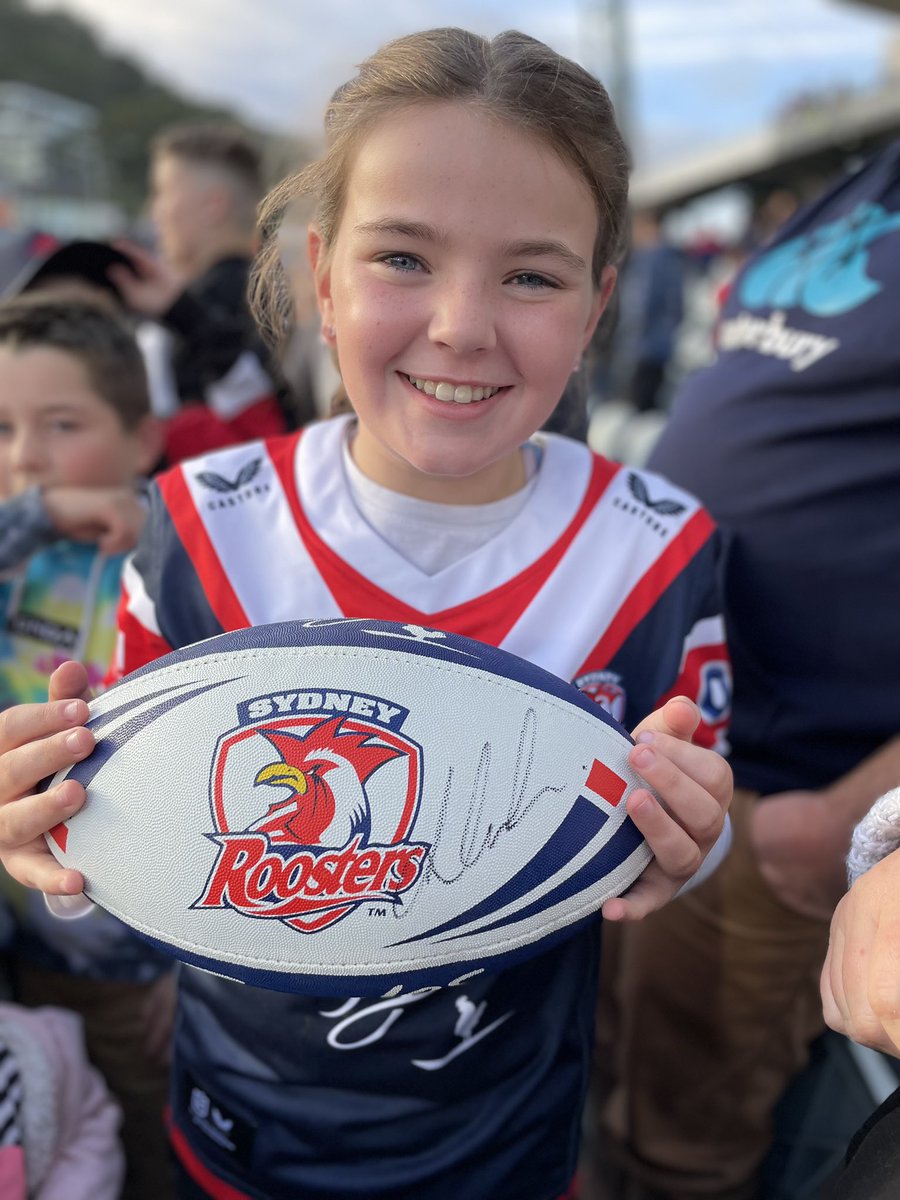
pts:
pixel 351 807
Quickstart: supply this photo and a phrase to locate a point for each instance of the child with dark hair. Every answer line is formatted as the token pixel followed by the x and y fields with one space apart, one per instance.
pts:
pixel 74 416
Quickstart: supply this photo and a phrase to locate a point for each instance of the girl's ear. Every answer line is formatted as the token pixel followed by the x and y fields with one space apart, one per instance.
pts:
pixel 602 297
pixel 321 269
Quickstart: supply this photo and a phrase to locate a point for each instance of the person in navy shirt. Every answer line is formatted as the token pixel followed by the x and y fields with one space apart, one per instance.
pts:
pixel 792 439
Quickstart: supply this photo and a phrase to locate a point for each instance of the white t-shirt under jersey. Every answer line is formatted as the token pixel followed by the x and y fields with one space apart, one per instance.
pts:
pixel 430 535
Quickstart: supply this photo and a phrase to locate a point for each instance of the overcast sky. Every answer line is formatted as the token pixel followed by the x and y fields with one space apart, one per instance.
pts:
pixel 702 70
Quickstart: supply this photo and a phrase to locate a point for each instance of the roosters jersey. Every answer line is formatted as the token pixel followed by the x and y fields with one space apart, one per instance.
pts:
pixel 606 578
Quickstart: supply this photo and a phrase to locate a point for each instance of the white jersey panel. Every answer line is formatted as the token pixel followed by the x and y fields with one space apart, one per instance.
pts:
pixel 255 536
pixel 559 489
pixel 245 384
pixel 139 601
pixel 608 558
pixel 708 632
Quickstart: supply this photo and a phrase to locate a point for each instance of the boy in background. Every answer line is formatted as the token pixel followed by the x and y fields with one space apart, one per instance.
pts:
pixel 212 379
pixel 75 414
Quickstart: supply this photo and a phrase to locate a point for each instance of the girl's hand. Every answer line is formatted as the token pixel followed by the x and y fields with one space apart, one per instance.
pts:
pixel 694 786
pixel 36 740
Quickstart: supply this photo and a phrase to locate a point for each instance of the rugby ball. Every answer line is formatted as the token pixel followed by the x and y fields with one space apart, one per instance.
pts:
pixel 351 807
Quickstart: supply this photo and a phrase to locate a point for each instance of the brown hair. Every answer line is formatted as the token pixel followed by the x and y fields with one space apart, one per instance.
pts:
pixel 99 339
pixel 512 76
pixel 225 148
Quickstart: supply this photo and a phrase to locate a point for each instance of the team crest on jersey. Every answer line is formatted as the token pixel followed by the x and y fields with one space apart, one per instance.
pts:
pixel 314 796
pixel 604 688
pixel 714 691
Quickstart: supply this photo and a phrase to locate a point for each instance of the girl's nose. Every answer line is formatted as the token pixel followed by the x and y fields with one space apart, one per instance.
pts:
pixel 463 318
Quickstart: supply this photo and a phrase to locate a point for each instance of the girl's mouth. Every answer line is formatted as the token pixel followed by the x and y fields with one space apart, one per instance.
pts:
pixel 452 393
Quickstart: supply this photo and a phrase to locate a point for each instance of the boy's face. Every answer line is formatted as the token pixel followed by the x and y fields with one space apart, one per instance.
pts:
pixel 459 285
pixel 55 430
pixel 181 209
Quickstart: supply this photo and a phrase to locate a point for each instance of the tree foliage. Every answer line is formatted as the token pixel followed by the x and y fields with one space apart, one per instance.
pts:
pixel 57 52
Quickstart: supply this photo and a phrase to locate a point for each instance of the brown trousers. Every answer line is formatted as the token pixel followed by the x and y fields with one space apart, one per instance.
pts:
pixel 114 1035
pixel 707 1011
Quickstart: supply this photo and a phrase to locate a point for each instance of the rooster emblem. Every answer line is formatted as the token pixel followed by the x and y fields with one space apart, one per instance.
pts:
pixel 323 773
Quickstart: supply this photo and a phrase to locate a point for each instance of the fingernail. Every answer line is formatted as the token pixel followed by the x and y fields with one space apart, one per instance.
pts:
pixel 644 757
pixel 647 736
pixel 641 803
pixel 71 711
pixel 74 742
pixel 69 907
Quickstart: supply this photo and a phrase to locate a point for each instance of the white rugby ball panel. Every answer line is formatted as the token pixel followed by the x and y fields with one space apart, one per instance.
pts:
pixel 351 807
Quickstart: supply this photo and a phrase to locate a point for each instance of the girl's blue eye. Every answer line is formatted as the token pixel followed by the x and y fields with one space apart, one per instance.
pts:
pixel 402 262
pixel 531 279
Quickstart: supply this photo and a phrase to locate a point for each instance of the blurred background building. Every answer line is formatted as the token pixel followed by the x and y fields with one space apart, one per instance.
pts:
pixel 54 170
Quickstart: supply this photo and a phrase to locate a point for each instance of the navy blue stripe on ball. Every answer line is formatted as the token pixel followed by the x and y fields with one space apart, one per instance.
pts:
pixel 606 860
pixel 112 742
pixel 101 720
pixel 405 978
pixel 582 823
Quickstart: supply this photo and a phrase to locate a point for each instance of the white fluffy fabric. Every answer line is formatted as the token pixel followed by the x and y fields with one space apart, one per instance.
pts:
pixel 876 836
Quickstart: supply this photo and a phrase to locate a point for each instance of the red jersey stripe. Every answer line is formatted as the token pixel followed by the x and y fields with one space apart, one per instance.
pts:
pixel 190 528
pixel 651 586
pixel 709 732
pixel 201 1175
pixel 137 645
pixel 141 646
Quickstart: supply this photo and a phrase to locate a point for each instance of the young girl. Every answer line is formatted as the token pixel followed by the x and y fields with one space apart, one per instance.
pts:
pixel 469 209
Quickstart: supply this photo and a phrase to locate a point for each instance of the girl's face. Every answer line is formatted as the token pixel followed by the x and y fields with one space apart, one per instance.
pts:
pixel 459 288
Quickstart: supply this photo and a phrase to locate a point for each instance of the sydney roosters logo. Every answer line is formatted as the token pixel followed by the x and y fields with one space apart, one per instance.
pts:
pixel 313 810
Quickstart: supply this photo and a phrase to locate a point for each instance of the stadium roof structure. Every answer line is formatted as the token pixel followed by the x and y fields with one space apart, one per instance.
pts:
pixel 812 142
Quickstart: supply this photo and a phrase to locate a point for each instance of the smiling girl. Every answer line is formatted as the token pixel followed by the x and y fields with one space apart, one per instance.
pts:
pixel 469 210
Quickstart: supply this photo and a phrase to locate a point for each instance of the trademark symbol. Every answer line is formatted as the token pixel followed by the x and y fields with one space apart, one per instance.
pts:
pixel 374 911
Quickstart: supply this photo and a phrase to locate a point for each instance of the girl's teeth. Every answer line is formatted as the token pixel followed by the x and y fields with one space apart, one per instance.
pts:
pixel 450 394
